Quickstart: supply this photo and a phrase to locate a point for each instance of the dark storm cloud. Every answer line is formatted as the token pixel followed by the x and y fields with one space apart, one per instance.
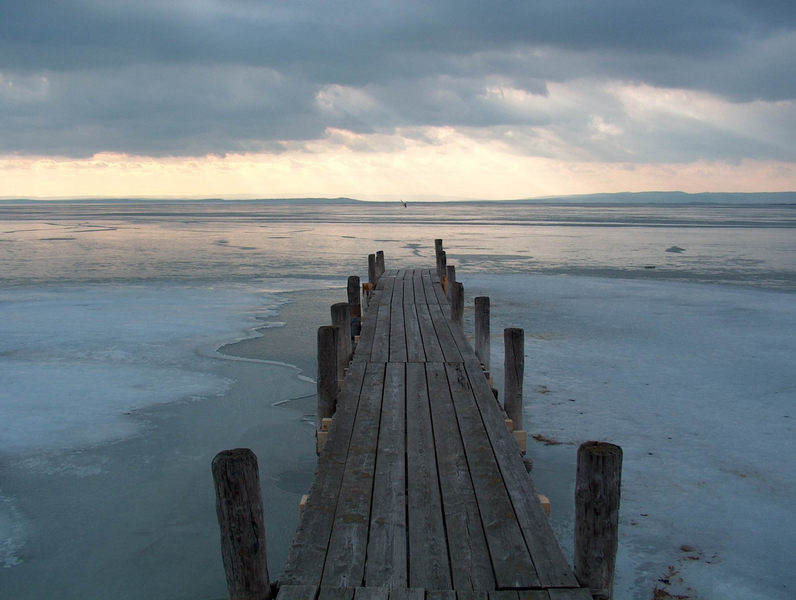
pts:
pixel 190 77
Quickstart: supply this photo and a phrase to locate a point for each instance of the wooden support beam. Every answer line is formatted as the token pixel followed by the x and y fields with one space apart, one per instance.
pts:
pixel 597 491
pixel 239 508
pixel 352 290
pixel 457 302
pixel 341 317
pixel 372 271
pixel 379 263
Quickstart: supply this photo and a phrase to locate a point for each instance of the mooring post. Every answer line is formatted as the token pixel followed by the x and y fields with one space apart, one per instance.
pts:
pixel 372 276
pixel 457 302
pixel 482 345
pixel 341 318
pixel 438 256
pixel 444 271
pixel 239 507
pixel 355 305
pixel 514 368
pixel 379 263
pixel 327 371
pixel 450 273
pixel 597 491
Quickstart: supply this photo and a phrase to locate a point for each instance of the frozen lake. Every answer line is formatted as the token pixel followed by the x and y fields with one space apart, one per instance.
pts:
pixel 115 399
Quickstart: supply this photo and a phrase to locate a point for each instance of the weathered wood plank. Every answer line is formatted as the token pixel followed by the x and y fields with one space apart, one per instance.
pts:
pixel 503 595
pixel 553 569
pixel 510 557
pixel 440 595
pixel 386 556
pixel 335 593
pixel 471 567
pixel 308 550
pixel 345 560
pixel 297 592
pixel 429 565
pixel 409 289
pixel 570 594
pixel 447 341
pixel 471 595
pixel 397 327
pixel 431 346
pixel 366 336
pixel 380 352
pixel 414 339
pixel 532 595
pixel 408 594
pixel 371 593
pixel 417 284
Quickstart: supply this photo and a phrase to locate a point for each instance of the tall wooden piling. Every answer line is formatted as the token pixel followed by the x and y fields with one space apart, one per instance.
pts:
pixel 450 274
pixel 372 276
pixel 597 492
pixel 457 302
pixel 514 368
pixel 341 318
pixel 482 343
pixel 239 507
pixel 327 370
pixel 380 263
pixel 353 296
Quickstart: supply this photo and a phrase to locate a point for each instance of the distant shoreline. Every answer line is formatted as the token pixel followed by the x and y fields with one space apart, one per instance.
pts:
pixel 672 198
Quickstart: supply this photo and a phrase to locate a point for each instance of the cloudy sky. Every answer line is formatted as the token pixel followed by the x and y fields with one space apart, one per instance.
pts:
pixel 443 99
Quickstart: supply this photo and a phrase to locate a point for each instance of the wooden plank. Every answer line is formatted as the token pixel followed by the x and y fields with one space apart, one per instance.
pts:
pixel 429 566
pixel 532 595
pixel 371 593
pixel 297 592
pixel 440 595
pixel 503 595
pixel 308 550
pixel 414 339
pixel 409 289
pixel 511 560
pixel 407 594
pixel 386 556
pixel 397 328
pixel 450 350
pixel 335 593
pixel 417 285
pixel 471 595
pixel 431 346
pixel 380 352
pixel 570 594
pixel 366 336
pixel 553 568
pixel 345 558
pixel 386 285
pixel 471 567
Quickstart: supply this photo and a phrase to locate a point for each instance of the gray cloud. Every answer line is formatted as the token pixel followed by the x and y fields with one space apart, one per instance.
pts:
pixel 186 77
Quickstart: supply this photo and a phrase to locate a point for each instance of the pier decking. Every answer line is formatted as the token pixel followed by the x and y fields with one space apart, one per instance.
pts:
pixel 421 491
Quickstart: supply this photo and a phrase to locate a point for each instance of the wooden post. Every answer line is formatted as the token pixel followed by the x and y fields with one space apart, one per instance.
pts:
pixel 327 370
pixel 341 318
pixel 239 507
pixel 353 296
pixel 483 348
pixel 514 367
pixel 443 259
pixel 372 276
pixel 379 263
pixel 457 302
pixel 450 272
pixel 597 490
pixel 438 256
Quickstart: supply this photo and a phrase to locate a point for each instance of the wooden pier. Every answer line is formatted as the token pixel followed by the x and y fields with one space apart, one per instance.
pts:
pixel 421 492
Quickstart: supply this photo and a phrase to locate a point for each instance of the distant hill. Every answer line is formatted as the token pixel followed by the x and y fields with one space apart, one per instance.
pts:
pixel 671 198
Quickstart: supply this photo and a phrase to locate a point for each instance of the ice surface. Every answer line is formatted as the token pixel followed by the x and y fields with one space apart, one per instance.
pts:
pixel 697 384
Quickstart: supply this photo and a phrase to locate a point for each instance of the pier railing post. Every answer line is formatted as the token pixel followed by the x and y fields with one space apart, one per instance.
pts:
pixel 450 272
pixel 444 271
pixel 355 304
pixel 341 318
pixel 514 368
pixel 457 302
pixel 482 342
pixel 327 371
pixel 597 491
pixel 239 507
pixel 379 263
pixel 438 255
pixel 372 276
